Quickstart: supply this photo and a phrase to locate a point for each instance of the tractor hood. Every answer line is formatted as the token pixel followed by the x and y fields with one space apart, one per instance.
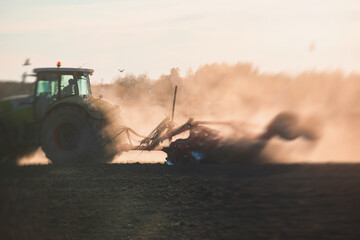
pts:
pixel 7 105
pixel 17 110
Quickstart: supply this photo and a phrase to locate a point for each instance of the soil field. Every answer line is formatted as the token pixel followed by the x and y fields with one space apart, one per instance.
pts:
pixel 155 201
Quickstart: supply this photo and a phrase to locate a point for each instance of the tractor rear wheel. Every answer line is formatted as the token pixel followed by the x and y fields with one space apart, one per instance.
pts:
pixel 70 135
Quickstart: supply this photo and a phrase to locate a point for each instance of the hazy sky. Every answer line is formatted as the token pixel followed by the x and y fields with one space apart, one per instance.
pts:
pixel 154 36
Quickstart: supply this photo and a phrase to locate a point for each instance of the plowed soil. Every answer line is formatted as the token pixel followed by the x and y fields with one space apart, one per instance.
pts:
pixel 155 201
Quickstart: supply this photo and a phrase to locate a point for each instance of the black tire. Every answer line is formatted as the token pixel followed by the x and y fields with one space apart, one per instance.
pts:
pixel 5 145
pixel 70 135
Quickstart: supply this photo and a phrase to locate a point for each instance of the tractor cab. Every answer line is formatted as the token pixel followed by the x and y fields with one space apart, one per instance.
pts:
pixel 56 84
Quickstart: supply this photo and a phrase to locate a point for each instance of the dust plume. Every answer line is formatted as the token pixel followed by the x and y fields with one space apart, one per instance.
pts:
pixel 140 157
pixel 325 102
pixel 36 158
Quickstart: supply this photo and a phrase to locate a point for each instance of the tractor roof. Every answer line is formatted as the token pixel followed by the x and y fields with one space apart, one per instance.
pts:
pixel 86 70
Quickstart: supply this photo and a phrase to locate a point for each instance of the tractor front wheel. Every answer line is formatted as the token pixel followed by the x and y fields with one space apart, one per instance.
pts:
pixel 4 143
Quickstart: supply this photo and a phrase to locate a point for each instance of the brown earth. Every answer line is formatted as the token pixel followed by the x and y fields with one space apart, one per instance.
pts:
pixel 154 201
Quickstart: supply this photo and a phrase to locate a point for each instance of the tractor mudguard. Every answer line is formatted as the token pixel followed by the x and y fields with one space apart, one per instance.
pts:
pixel 96 108
pixel 94 113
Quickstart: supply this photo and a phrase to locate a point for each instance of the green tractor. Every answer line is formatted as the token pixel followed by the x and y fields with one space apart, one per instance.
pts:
pixel 62 117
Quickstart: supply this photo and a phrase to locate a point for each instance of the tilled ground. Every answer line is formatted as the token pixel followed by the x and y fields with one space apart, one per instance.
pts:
pixel 156 201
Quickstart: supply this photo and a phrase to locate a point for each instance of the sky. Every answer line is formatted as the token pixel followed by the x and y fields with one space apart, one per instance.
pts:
pixel 151 37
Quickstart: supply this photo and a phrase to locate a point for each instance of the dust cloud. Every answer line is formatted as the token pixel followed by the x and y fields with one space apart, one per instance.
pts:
pixel 325 102
pixel 36 158
pixel 141 157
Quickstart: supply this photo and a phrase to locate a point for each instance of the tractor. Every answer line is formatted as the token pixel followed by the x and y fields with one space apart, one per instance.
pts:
pixel 62 117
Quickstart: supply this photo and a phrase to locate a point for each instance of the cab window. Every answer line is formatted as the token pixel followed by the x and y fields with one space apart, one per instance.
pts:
pixel 84 86
pixel 47 86
pixel 68 86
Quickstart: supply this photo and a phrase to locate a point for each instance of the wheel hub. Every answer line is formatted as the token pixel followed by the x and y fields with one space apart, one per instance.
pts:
pixel 67 136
